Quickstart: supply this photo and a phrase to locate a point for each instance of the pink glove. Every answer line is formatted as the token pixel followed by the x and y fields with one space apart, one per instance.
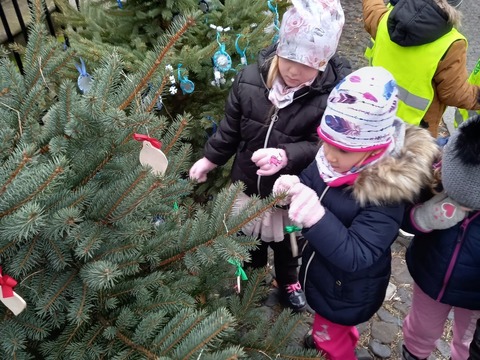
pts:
pixel 305 208
pixel 283 184
pixel 269 160
pixel 200 169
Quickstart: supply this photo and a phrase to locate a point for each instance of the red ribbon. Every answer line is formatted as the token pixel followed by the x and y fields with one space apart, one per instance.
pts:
pixel 153 141
pixel 7 284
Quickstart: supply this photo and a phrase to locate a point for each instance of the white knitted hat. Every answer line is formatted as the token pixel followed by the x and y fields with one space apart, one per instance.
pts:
pixel 310 31
pixel 361 111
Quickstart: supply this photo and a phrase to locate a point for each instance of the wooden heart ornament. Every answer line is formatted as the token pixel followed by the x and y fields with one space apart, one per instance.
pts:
pixel 151 155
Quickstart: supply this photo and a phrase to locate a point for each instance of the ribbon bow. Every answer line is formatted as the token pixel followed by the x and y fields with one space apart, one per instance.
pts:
pixel 240 272
pixel 155 143
pixel 7 283
pixel 292 228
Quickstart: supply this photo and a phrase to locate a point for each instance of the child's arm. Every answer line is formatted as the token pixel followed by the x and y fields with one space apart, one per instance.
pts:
pixel 222 145
pixel 438 213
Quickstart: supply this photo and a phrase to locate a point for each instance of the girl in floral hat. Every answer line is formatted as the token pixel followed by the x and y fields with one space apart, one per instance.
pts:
pixel 271 116
pixel 350 202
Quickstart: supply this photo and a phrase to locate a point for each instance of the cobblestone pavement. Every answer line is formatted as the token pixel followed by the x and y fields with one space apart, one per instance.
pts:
pixel 381 336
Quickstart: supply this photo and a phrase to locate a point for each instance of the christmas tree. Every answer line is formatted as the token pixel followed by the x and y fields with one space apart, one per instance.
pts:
pixel 233 30
pixel 111 255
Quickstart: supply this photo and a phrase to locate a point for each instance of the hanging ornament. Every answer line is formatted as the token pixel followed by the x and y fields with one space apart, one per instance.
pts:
pixel 171 78
pixel 8 297
pixel 276 22
pixel 214 126
pixel 293 238
pixel 240 51
pixel 151 154
pixel 84 80
pixel 186 85
pixel 204 6
pixel 222 62
pixel 240 273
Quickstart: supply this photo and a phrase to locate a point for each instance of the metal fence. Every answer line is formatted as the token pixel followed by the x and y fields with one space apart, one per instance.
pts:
pixel 15 16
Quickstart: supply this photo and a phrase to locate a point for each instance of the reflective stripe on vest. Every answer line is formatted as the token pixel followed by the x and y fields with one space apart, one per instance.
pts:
pixel 413 68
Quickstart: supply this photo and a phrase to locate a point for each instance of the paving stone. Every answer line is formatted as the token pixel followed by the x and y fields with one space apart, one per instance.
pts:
pixel 384 332
pixel 380 350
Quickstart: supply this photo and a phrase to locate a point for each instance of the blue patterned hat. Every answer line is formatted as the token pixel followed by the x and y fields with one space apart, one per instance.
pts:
pixel 361 111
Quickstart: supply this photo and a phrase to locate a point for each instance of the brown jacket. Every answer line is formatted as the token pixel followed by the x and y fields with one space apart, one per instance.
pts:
pixel 450 82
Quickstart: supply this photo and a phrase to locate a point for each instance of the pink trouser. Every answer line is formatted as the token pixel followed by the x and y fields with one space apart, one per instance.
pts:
pixel 425 323
pixel 335 342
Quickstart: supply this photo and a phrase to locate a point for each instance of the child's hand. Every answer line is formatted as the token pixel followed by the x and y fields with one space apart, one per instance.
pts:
pixel 200 169
pixel 440 212
pixel 283 184
pixel 305 208
pixel 269 160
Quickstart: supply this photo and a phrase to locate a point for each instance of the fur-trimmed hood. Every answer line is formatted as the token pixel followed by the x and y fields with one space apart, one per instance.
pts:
pixel 399 178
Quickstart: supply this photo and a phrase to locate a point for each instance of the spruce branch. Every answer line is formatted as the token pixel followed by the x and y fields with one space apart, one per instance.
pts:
pixel 143 82
pixel 58 170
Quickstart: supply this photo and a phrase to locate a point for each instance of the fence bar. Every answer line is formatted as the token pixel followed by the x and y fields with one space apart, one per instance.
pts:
pixel 10 38
pixel 20 19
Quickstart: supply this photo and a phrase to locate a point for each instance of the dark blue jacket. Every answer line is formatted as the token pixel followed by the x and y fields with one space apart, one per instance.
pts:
pixel 445 264
pixel 347 261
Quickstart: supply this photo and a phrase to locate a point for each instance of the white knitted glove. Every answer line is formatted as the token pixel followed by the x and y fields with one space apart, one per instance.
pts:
pixel 305 208
pixel 283 184
pixel 269 160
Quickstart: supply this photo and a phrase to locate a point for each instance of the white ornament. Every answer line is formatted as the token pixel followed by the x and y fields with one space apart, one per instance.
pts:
pixel 153 157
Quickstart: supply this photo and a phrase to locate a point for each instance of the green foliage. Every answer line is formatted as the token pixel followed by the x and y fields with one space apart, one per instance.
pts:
pixel 114 261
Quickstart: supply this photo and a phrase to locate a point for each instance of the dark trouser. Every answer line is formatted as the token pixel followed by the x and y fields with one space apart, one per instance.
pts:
pixel 286 266
pixel 475 345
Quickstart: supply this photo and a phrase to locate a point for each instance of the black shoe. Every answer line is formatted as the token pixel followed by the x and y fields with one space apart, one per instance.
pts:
pixel 308 341
pixel 294 297
pixel 407 355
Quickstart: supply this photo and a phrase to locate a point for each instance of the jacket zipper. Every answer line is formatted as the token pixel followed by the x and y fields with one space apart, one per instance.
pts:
pixel 453 260
pixel 304 280
pixel 273 120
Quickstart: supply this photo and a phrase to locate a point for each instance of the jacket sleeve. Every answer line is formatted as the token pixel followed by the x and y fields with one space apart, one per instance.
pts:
pixel 373 10
pixel 362 243
pixel 451 79
pixel 300 154
pixel 222 145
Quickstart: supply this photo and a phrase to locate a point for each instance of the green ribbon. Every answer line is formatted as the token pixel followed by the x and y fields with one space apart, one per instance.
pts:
pixel 292 228
pixel 240 272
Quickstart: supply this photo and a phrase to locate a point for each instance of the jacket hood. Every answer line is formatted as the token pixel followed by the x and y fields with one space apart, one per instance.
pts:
pixel 399 178
pixel 417 22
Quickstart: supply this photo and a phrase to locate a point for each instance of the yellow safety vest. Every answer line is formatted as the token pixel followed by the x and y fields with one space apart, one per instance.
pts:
pixel 462 114
pixel 413 67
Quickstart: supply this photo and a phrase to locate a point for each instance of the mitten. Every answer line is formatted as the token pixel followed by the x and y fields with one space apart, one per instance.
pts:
pixel 283 184
pixel 200 169
pixel 440 212
pixel 305 208
pixel 269 160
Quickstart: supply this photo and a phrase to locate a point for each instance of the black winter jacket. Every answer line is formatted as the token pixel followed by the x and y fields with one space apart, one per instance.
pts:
pixel 249 114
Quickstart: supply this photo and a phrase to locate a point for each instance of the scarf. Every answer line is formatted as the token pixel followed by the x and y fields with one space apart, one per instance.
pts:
pixel 334 179
pixel 282 95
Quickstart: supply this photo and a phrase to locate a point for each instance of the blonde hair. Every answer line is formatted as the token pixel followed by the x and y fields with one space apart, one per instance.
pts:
pixel 272 71
pixel 454 16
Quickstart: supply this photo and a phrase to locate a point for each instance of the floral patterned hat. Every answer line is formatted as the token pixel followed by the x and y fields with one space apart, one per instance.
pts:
pixel 310 31
pixel 361 111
